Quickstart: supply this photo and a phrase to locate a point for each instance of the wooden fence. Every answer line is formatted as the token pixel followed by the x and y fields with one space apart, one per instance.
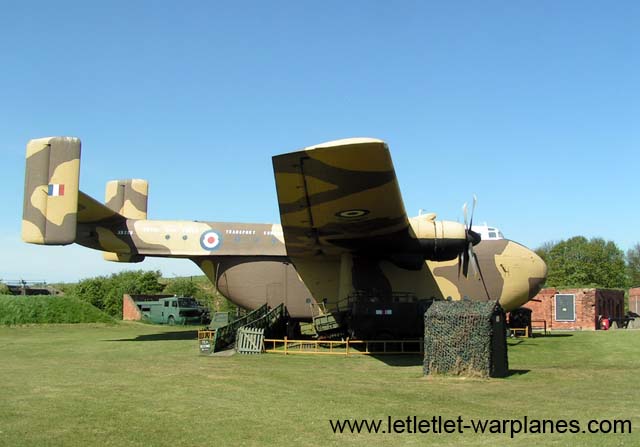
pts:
pixel 250 340
pixel 344 347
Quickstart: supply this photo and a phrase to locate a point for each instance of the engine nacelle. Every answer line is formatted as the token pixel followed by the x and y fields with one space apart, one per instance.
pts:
pixel 440 240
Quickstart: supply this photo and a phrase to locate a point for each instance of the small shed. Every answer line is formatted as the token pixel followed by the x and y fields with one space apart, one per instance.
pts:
pixel 465 338
pixel 580 309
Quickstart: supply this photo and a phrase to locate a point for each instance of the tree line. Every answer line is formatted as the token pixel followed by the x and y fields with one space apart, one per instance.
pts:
pixel 595 262
pixel 105 292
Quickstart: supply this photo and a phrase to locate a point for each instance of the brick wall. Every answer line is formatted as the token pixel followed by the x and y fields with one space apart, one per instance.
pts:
pixel 634 300
pixel 541 308
pixel 130 311
pixel 588 302
pixel 544 309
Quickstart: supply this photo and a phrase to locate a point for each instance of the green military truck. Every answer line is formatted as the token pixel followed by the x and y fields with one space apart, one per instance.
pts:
pixel 174 310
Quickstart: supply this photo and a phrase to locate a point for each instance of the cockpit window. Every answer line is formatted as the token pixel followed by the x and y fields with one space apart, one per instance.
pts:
pixel 487 232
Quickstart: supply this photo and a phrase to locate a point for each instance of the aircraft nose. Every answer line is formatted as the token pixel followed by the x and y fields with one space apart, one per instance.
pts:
pixel 525 273
pixel 537 274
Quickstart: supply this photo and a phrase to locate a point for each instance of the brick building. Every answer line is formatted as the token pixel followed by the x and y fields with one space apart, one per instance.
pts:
pixel 131 311
pixel 634 300
pixel 576 308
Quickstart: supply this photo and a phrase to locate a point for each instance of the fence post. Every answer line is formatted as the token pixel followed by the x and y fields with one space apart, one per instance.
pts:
pixel 285 345
pixel 347 354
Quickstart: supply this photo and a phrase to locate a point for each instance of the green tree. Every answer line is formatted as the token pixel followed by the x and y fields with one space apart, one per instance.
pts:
pixel 633 265
pixel 201 289
pixel 106 292
pixel 544 249
pixel 182 287
pixel 4 289
pixel 92 290
pixel 578 262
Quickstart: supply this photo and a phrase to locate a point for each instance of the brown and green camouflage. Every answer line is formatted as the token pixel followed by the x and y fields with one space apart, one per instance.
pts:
pixel 344 230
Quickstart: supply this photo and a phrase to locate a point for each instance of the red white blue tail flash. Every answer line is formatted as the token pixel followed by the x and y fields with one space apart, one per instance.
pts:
pixel 56 189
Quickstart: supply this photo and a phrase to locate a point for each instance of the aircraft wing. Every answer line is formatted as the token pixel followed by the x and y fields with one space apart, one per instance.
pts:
pixel 341 196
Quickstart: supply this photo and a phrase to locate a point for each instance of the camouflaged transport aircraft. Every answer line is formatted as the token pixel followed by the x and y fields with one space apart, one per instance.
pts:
pixel 344 233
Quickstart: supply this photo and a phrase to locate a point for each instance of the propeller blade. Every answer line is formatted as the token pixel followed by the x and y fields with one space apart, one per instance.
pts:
pixel 464 213
pixel 467 255
pixel 472 256
pixel 484 284
pixel 465 264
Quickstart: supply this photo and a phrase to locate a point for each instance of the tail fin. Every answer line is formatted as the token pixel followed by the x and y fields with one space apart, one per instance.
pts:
pixel 128 197
pixel 54 206
pixel 51 191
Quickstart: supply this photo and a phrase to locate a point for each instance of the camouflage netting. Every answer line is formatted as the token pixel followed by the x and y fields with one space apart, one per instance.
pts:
pixel 465 338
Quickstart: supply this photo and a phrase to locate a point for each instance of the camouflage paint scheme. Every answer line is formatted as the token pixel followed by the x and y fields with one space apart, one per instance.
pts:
pixel 344 229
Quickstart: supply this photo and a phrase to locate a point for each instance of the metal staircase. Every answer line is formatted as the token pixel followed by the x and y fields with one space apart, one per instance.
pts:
pixel 262 320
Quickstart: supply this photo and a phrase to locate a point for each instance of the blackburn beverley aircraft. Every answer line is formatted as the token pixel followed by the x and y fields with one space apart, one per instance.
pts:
pixel 344 233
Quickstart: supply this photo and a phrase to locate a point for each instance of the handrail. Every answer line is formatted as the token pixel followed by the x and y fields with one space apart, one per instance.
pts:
pixel 267 319
pixel 226 335
pixel 358 295
pixel 544 322
pixel 342 347
pixel 514 330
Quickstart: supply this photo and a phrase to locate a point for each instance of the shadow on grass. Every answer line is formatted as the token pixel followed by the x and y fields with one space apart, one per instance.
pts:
pixel 417 360
pixel 400 360
pixel 163 336
pixel 518 372
pixel 554 336
pixel 515 341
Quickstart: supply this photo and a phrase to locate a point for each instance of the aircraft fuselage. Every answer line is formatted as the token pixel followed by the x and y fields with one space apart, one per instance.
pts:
pixel 249 265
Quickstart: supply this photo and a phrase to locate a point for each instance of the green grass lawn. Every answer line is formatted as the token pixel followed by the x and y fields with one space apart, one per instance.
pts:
pixel 135 384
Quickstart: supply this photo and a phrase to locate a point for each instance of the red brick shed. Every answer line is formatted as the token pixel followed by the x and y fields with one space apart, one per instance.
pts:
pixel 634 300
pixel 576 308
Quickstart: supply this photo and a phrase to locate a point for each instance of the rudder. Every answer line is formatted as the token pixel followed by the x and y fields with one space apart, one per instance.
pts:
pixel 51 191
pixel 128 197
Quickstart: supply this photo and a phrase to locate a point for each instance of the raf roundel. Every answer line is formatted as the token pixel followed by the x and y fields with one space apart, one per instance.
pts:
pixel 210 240
pixel 352 214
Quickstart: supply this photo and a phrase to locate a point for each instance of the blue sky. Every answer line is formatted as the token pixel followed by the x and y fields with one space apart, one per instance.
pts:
pixel 532 105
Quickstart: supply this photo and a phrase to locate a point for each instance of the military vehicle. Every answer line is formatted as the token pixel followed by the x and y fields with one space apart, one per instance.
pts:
pixel 174 310
pixel 345 237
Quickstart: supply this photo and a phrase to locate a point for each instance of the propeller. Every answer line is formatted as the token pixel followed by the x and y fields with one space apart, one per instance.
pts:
pixel 467 255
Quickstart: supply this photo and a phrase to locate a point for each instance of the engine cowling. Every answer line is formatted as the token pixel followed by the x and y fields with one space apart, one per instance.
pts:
pixel 441 240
